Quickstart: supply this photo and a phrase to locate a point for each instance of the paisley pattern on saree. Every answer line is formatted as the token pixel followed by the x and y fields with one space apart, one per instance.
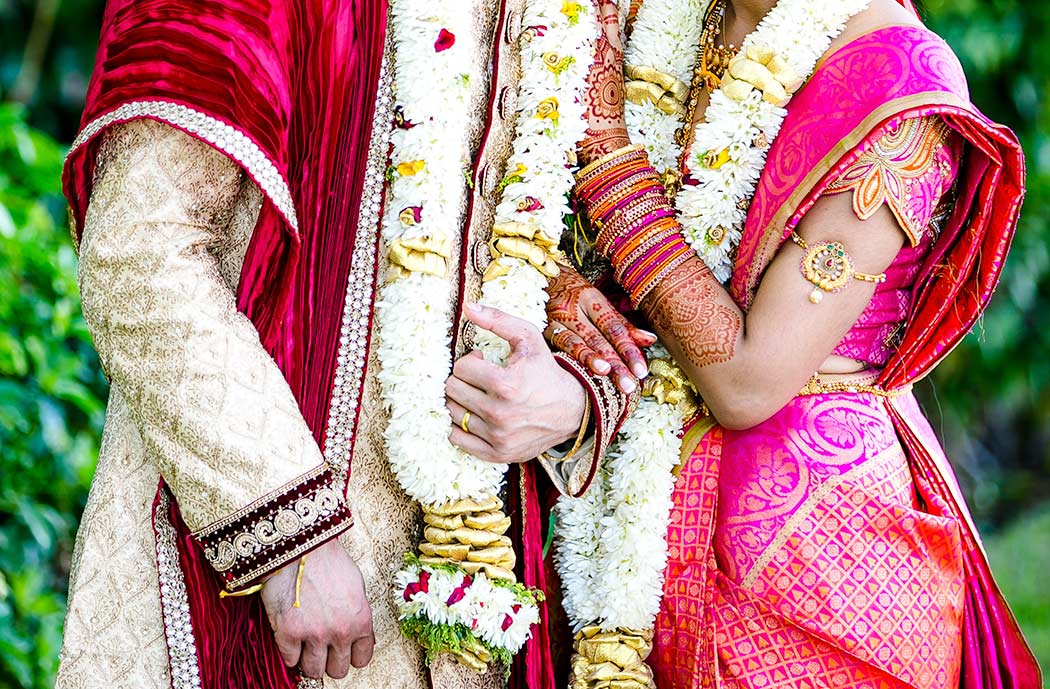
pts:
pixel 770 470
pixel 824 571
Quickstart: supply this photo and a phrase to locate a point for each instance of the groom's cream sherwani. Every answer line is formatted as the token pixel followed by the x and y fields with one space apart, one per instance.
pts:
pixel 197 400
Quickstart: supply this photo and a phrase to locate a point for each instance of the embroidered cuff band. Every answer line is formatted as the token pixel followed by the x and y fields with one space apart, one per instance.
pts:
pixel 609 408
pixel 276 529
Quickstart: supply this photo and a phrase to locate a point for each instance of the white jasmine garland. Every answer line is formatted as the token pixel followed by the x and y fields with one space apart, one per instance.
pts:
pixel 612 542
pixel 434 48
pixel 665 36
pixel 499 616
pixel 414 313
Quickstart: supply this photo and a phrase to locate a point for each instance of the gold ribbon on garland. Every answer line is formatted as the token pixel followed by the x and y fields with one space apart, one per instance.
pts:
pixel 611 660
pixel 525 242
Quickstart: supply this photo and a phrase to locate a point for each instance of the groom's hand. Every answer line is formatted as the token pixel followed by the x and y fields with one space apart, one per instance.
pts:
pixel 332 627
pixel 518 410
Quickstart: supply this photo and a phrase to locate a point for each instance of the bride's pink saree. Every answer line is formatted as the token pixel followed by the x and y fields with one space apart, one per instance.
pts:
pixel 830 546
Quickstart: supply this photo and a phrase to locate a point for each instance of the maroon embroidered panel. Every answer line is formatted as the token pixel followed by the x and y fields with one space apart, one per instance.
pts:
pixel 276 529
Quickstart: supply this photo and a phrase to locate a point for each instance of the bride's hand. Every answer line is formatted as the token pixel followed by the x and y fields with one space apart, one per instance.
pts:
pixel 604 98
pixel 583 324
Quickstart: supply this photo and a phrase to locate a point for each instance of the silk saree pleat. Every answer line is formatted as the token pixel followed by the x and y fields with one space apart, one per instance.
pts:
pixel 995 652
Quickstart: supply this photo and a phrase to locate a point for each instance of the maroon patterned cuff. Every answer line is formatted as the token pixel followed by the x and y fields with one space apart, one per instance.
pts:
pixel 609 409
pixel 275 529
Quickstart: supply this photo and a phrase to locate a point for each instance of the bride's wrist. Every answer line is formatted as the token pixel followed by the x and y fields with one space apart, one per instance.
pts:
pixel 602 142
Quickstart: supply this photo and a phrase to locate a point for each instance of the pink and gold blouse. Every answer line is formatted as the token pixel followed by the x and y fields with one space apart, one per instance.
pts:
pixel 911 169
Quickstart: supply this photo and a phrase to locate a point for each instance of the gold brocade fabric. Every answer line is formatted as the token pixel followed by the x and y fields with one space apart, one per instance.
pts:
pixel 214 412
pixel 194 395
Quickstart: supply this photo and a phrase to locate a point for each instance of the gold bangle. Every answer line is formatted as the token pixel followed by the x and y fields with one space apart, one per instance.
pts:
pixel 593 165
pixel 299 580
pixel 243 592
pixel 584 425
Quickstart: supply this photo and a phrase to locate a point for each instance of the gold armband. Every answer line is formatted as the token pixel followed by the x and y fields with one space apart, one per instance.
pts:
pixel 829 268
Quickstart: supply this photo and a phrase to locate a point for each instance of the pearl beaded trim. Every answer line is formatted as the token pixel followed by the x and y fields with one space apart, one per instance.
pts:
pixel 230 140
pixel 174 603
pixel 353 333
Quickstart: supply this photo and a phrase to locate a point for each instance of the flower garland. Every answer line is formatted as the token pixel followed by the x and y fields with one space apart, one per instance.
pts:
pixel 611 547
pixel 612 542
pixel 730 144
pixel 460 595
pixel 664 38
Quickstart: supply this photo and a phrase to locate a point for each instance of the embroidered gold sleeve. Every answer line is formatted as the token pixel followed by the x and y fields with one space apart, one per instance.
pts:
pixel 213 409
pixel 911 168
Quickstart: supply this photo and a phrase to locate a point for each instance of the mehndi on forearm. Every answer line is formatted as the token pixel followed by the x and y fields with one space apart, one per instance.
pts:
pixel 688 307
pixel 639 234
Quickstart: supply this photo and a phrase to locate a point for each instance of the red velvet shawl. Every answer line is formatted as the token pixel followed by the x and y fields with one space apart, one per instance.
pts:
pixel 287 89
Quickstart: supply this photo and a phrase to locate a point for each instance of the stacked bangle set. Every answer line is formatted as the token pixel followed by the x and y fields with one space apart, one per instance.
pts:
pixel 637 230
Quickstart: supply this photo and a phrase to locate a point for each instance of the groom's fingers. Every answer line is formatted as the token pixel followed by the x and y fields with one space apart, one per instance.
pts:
pixel 362 648
pixel 314 659
pixel 483 376
pixel 475 446
pixel 476 425
pixel 523 337
pixel 463 388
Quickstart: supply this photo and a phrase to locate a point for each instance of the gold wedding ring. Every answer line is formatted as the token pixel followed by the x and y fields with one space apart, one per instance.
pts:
pixel 465 421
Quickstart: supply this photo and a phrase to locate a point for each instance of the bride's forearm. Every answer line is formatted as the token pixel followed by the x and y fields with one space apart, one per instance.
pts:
pixel 703 329
pixel 691 308
pixel 743 365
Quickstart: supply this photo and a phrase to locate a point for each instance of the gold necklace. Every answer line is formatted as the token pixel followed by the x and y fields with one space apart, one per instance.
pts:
pixel 708 69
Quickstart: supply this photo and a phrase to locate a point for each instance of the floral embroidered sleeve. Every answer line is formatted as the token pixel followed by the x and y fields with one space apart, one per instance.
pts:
pixel 214 411
pixel 910 169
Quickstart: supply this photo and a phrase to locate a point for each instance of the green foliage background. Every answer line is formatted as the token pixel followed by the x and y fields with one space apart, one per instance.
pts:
pixel 990 401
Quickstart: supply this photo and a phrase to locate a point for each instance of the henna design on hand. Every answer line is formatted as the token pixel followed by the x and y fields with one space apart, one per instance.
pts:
pixel 685 306
pixel 604 98
pixel 594 329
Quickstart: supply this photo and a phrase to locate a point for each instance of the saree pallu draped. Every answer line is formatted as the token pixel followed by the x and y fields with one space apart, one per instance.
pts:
pixel 830 545
pixel 287 90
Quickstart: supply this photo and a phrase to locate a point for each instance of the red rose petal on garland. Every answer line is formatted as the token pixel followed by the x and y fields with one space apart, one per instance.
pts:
pixel 457 595
pixel 507 621
pixel 446 39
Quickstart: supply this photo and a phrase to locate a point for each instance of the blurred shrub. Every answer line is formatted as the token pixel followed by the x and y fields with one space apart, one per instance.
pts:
pixel 51 403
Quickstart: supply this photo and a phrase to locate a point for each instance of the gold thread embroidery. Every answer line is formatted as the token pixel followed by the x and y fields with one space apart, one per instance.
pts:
pixel 286 523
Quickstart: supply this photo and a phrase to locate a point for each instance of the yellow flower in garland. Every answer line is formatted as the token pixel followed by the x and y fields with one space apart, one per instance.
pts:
pixel 409 168
pixel 548 109
pixel 571 10
pixel 716 159
pixel 513 177
pixel 556 63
